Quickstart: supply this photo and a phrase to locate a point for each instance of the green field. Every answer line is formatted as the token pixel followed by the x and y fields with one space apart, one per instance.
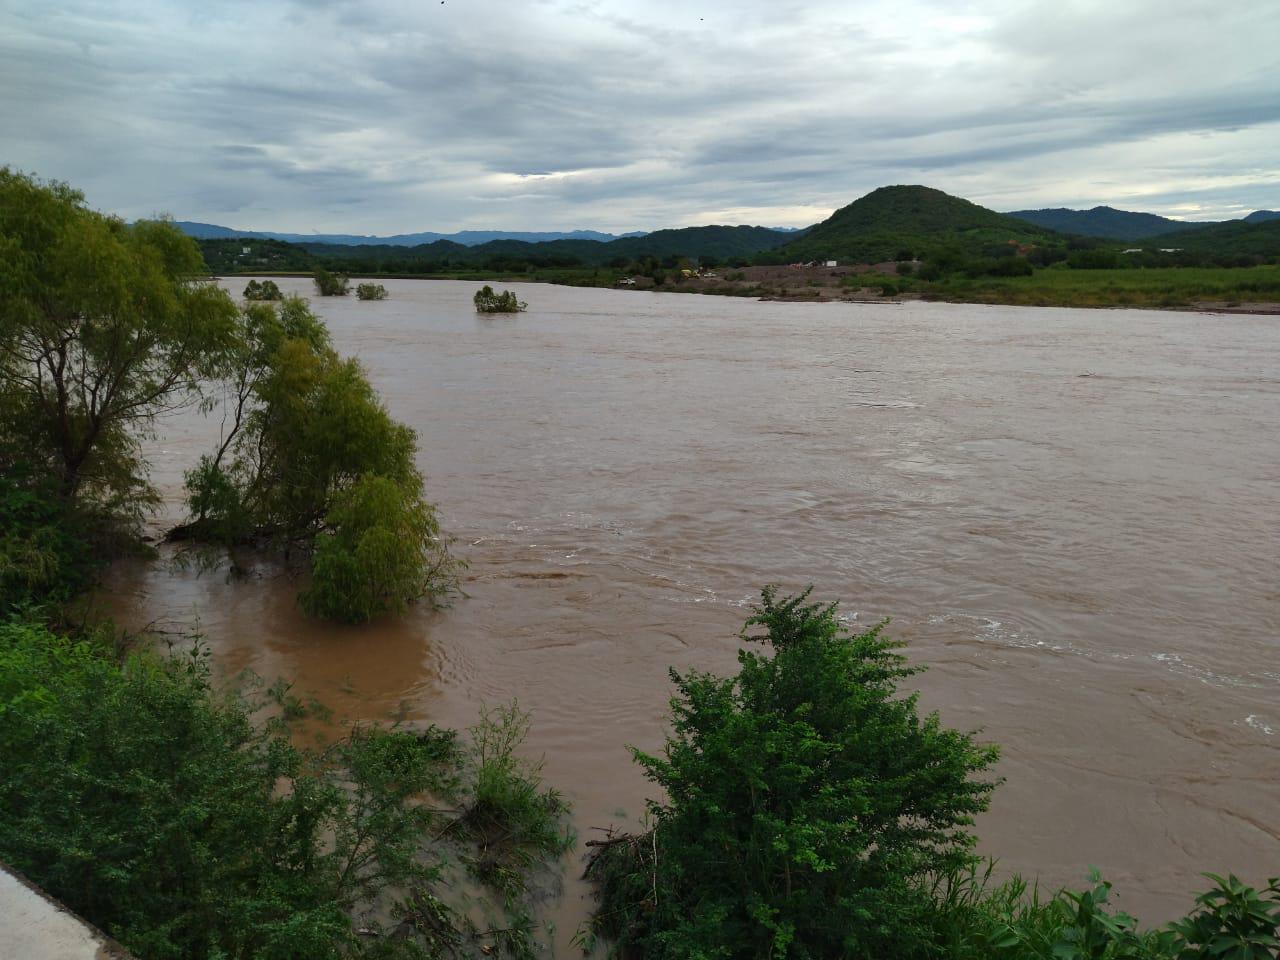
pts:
pixel 1154 287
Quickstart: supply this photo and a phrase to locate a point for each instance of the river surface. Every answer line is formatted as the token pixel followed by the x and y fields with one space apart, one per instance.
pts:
pixel 1072 516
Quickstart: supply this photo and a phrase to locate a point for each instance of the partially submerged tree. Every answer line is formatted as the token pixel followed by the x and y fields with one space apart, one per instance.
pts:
pixel 262 290
pixel 311 464
pixel 487 301
pixel 103 327
pixel 371 291
pixel 807 805
pixel 331 284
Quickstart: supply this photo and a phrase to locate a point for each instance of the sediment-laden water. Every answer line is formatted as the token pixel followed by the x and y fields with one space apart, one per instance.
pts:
pixel 1072 516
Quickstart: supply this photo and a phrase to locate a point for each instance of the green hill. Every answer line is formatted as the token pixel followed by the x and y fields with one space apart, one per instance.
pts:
pixel 720 242
pixel 897 222
pixel 1106 222
pixel 1235 238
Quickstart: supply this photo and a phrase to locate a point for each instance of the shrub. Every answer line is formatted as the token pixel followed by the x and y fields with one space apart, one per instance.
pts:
pixel 157 809
pixel 371 291
pixel 807 805
pixel 331 284
pixel 374 556
pixel 45 553
pixel 264 290
pixel 487 301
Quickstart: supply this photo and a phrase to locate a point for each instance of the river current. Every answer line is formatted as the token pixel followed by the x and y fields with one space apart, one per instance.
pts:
pixel 1071 516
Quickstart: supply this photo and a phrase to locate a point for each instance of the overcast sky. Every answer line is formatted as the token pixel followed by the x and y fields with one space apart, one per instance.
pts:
pixel 386 116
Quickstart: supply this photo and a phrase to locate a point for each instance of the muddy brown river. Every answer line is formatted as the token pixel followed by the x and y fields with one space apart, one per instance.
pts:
pixel 1072 516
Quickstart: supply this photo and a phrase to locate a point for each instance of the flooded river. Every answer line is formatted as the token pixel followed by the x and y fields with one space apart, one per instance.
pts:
pixel 1072 516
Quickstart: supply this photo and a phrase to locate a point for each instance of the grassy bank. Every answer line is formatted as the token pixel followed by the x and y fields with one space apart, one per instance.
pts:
pixel 1153 287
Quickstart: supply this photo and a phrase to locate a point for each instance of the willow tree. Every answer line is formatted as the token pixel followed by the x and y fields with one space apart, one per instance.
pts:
pixel 312 465
pixel 103 327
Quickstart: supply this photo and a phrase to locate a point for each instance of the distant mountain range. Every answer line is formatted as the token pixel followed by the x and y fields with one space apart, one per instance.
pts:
pixel 890 223
pixel 468 238
pixel 1113 224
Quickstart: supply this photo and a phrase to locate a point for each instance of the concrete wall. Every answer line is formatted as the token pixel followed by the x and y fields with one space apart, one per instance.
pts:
pixel 34 926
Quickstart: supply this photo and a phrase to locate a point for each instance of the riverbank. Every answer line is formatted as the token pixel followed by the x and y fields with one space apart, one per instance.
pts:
pixel 1252 290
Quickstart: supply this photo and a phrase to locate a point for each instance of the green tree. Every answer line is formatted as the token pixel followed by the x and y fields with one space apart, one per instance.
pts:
pixel 103 327
pixel 262 290
pixel 807 805
pixel 371 291
pixel 487 301
pixel 313 465
pixel 330 284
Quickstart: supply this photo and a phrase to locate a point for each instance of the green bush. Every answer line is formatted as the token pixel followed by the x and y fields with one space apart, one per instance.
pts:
pixel 371 291
pixel 262 290
pixel 155 807
pixel 807 805
pixel 487 301
pixel 331 284
pixel 375 554
pixel 46 554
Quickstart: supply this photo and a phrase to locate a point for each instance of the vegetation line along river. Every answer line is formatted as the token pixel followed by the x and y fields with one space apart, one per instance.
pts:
pixel 1070 515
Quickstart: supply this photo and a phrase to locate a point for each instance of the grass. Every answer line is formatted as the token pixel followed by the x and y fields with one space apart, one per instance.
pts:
pixel 1158 287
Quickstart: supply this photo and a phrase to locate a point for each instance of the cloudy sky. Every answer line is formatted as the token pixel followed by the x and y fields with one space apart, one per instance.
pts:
pixel 385 116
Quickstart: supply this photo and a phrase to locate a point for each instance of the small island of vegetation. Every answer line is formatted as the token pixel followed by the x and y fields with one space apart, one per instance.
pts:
pixel 487 301
pixel 371 291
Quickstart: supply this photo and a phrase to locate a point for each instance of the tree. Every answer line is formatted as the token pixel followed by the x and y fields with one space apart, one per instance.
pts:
pixel 264 290
pixel 487 301
pixel 807 805
pixel 103 327
pixel 312 465
pixel 371 291
pixel 330 284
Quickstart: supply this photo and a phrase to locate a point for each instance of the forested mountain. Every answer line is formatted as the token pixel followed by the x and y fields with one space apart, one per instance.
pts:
pixel 904 221
pixel 1235 238
pixel 1106 222
pixel 714 242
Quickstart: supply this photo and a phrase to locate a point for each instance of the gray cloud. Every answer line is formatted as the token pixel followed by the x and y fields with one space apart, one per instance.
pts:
pixel 396 115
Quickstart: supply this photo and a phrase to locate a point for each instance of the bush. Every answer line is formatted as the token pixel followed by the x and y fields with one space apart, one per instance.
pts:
pixel 45 552
pixel 154 807
pixel 487 301
pixel 331 284
pixel 374 556
pixel 807 805
pixel 265 290
pixel 371 291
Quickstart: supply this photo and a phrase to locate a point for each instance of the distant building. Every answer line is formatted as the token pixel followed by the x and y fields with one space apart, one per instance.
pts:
pixel 1132 250
pixel 245 250
pixel 831 263
pixel 1170 249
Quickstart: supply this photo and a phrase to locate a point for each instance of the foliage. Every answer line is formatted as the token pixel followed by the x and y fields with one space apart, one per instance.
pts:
pixel 45 551
pixel 262 290
pixel 976 920
pixel 487 301
pixel 514 821
pixel 103 327
pixel 314 465
pixel 157 809
pixel 806 805
pixel 379 549
pixel 330 284
pixel 371 291
pixel 894 220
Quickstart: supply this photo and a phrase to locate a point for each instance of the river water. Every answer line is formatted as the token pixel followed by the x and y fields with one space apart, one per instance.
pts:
pixel 1070 515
